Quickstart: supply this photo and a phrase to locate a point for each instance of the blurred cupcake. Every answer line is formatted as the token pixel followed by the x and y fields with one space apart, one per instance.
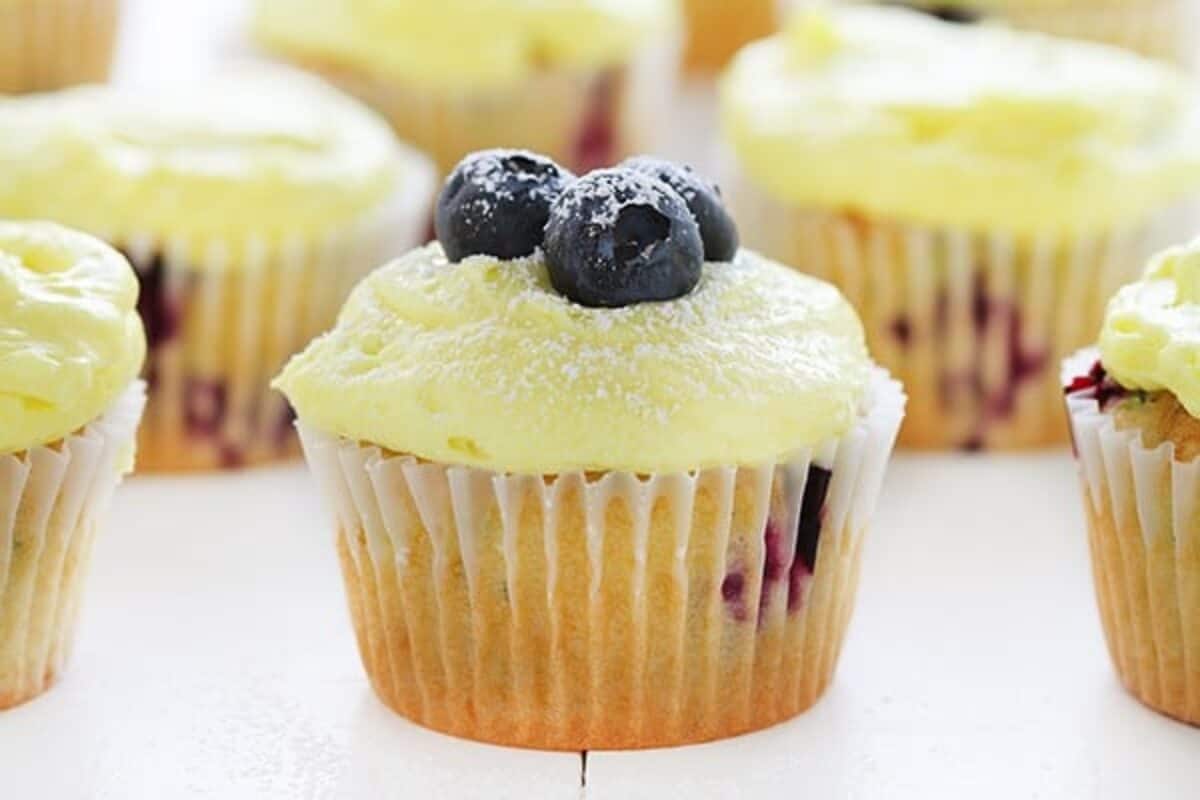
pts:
pixel 579 79
pixel 49 44
pixel 1134 406
pixel 611 496
pixel 717 29
pixel 248 205
pixel 977 194
pixel 71 346
pixel 1162 29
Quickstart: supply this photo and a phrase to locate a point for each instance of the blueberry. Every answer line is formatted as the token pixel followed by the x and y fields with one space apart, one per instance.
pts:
pixel 703 199
pixel 496 202
pixel 951 13
pixel 617 237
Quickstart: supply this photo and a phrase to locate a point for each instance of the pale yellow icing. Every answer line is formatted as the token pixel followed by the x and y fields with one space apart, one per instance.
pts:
pixel 480 362
pixel 1151 334
pixel 255 153
pixel 892 113
pixel 462 42
pixel 71 340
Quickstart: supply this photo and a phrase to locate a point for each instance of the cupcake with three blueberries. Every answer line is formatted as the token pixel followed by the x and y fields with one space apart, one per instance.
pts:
pixel 50 44
pixel 976 192
pixel 1164 29
pixel 581 80
pixel 249 205
pixel 1134 405
pixel 71 347
pixel 601 478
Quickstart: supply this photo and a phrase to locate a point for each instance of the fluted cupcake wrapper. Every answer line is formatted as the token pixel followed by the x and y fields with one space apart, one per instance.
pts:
pixel 582 118
pixel 52 499
pixel 222 318
pixel 1143 518
pixel 613 610
pixel 51 44
pixel 973 324
pixel 1163 29
pixel 717 29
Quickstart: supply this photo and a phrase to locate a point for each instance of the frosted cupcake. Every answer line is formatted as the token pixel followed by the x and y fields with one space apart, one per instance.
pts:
pixel 49 44
pixel 579 79
pixel 1163 29
pixel 595 492
pixel 1134 406
pixel 716 29
pixel 71 346
pixel 977 194
pixel 249 206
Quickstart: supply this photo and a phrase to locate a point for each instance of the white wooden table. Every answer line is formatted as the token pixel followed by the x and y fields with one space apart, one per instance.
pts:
pixel 216 660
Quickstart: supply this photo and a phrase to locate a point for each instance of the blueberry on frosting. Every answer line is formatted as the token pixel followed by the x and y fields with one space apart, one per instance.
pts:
pixel 617 237
pixel 497 202
pixel 952 13
pixel 717 228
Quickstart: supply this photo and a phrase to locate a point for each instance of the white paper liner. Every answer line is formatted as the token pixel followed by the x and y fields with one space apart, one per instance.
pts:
pixel 972 324
pixel 596 610
pixel 50 44
pixel 1164 29
pixel 243 308
pixel 1143 513
pixel 547 113
pixel 52 500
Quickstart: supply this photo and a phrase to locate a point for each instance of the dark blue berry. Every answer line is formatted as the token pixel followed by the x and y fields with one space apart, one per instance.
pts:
pixel 497 202
pixel 951 13
pixel 617 237
pixel 717 228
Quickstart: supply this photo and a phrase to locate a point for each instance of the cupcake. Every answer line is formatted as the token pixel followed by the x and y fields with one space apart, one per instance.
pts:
pixel 1134 406
pixel 717 29
pixel 248 205
pixel 605 489
pixel 71 346
pixel 1162 29
pixel 579 79
pixel 977 193
pixel 49 44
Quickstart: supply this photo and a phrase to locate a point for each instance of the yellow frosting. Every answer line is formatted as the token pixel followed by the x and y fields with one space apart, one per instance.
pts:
pixel 71 340
pixel 480 362
pixel 461 42
pixel 259 153
pixel 1151 334
pixel 893 113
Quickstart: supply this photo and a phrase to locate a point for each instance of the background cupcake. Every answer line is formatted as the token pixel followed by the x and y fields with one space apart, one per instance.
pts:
pixel 976 193
pixel 611 497
pixel 49 44
pixel 716 29
pixel 71 346
pixel 1163 29
pixel 1135 412
pixel 248 205
pixel 578 79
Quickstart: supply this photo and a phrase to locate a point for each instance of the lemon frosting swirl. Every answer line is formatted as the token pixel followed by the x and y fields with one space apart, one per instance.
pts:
pixel 71 340
pixel 481 363
pixel 893 113
pixel 255 152
pixel 461 42
pixel 1151 334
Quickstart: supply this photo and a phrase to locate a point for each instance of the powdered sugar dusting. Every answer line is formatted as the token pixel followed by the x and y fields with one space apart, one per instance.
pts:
pixel 756 361
pixel 611 192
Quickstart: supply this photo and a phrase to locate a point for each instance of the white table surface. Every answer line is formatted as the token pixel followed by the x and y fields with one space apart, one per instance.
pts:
pixel 216 657
pixel 216 660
